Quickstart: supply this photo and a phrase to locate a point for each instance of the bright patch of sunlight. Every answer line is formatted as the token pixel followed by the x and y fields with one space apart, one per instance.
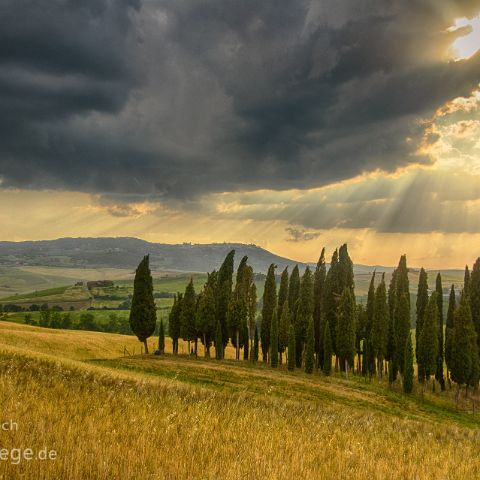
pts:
pixel 469 43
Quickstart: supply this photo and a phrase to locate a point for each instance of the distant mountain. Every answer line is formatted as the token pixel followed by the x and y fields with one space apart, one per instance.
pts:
pixel 125 252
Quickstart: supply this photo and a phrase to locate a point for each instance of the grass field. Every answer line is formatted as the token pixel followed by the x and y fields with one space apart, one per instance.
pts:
pixel 112 416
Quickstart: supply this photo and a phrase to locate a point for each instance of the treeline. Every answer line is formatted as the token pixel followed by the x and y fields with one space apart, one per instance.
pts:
pixel 50 318
pixel 314 322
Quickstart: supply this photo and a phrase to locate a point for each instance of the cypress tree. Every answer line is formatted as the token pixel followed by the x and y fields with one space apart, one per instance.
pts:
pixel 224 293
pixel 143 313
pixel 244 340
pixel 475 371
pixel 440 357
pixel 391 357
pixel 408 366
pixel 282 292
pixel 283 329
pixel 256 341
pixel 380 326
pixel 449 330
pixel 466 281
pixel 362 343
pixel 399 286
pixel 269 305
pixel 474 293
pixel 304 311
pixel 238 308
pixel 294 291
pixel 161 339
pixel 252 313
pixel 422 302
pixel 174 322
pixel 463 330
pixel 327 350
pixel 402 330
pixel 218 341
pixel 331 296
pixel 188 329
pixel 368 349
pixel 428 342
pixel 346 329
pixel 318 289
pixel 274 340
pixel 345 269
pixel 291 348
pixel 206 318
pixel 310 347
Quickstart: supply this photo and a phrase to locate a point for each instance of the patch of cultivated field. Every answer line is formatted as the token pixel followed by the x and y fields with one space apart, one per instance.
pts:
pixel 111 416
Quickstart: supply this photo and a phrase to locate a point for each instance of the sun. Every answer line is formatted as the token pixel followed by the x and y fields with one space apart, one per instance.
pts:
pixel 469 43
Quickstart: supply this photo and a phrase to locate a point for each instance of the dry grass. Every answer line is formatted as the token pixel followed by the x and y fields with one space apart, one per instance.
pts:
pixel 134 418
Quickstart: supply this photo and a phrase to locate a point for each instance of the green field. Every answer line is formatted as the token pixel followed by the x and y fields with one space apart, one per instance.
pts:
pixel 109 415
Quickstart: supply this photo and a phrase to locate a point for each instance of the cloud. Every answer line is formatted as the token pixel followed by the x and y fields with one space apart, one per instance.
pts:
pixel 416 201
pixel 176 99
pixel 296 235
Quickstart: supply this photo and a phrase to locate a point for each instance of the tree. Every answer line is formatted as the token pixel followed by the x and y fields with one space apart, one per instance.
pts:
pixel 402 330
pixel 399 285
pixel 188 329
pixel 304 311
pixel 428 342
pixel 294 291
pixel 345 269
pixel 252 313
pixel 421 304
pixel 143 314
pixel 274 340
pixel 449 330
pixel 362 343
pixel 380 326
pixel 474 293
pixel 161 339
pixel 245 341
pixel 440 357
pixel 238 307
pixel 256 341
pixel 366 332
pixel 327 350
pixel 223 294
pixel 319 278
pixel 206 317
pixel 218 341
pixel 331 296
pixel 283 329
pixel 269 305
pixel 282 292
pixel 346 329
pixel 466 281
pixel 310 347
pixel 174 322
pixel 291 348
pixel 461 353
pixel 408 366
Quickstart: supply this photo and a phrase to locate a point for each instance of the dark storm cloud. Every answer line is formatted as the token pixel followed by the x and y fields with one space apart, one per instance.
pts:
pixel 170 99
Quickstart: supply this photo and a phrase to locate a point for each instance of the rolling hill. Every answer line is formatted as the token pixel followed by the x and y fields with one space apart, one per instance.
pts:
pixel 108 414
pixel 125 252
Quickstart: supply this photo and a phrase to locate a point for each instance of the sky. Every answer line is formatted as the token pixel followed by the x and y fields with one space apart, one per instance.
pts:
pixel 292 125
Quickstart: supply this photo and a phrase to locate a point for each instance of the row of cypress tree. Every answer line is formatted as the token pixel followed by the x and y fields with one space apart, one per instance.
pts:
pixel 314 318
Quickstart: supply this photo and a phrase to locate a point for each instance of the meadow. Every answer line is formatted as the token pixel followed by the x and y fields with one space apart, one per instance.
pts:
pixel 110 415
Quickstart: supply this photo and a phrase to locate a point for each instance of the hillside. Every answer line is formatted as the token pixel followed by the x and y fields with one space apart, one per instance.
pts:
pixel 125 253
pixel 156 417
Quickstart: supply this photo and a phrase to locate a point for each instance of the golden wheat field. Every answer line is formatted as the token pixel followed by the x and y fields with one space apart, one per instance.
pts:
pixel 110 416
